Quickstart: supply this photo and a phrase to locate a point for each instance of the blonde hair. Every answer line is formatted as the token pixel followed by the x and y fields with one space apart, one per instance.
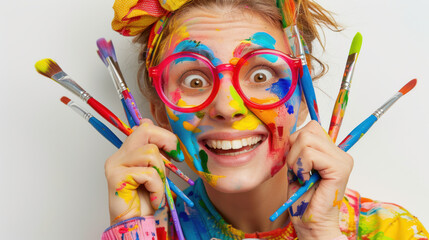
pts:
pixel 310 16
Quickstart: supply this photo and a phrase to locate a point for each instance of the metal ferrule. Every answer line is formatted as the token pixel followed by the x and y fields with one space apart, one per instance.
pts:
pixel 380 111
pixel 116 74
pixel 297 47
pixel 348 72
pixel 86 115
pixel 65 80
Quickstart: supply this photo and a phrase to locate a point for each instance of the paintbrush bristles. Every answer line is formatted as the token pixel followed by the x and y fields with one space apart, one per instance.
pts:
pixel 47 67
pixel 289 12
pixel 410 85
pixel 105 50
pixel 65 100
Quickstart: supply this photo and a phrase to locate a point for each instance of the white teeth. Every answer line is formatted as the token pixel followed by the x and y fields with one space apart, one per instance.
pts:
pixel 233 144
pixel 226 145
pixel 236 144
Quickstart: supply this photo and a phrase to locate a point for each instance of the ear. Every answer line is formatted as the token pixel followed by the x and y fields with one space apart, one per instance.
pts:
pixel 159 114
pixel 303 112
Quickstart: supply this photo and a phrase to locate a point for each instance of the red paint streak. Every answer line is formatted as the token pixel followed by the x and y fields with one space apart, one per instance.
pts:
pixel 238 50
pixel 123 230
pixel 176 96
pixel 280 131
pixel 122 186
pixel 161 233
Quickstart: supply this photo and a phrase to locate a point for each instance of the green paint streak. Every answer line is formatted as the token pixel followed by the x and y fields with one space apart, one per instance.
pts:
pixel 161 173
pixel 356 44
pixel 236 97
pixel 175 153
pixel 200 115
pixel 346 100
pixel 204 159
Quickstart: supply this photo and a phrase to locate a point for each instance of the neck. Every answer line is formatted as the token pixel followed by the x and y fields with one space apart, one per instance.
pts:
pixel 250 211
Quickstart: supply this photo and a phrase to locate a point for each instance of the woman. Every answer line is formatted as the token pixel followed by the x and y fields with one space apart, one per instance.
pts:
pixel 227 94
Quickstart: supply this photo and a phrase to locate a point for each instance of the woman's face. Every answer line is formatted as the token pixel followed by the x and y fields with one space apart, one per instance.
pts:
pixel 238 147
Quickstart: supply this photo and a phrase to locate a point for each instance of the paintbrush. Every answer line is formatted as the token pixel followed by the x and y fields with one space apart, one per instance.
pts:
pixel 99 126
pixel 49 68
pixel 121 97
pixel 360 130
pixel 346 144
pixel 109 135
pixel 106 51
pixel 343 95
pixel 173 211
pixel 298 47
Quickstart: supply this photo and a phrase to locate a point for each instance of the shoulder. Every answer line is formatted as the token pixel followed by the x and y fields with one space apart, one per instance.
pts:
pixel 384 220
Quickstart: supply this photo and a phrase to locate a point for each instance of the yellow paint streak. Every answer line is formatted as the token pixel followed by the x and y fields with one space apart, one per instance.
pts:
pixel 133 228
pixel 234 61
pixel 268 115
pixel 210 178
pixel 183 104
pixel 337 202
pixel 127 190
pixel 190 127
pixel 249 122
pixel 171 115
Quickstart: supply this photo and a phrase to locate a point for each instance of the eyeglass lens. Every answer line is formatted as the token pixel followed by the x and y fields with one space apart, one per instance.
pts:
pixel 263 79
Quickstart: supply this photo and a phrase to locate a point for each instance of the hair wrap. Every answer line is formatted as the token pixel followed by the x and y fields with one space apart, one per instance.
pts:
pixel 134 16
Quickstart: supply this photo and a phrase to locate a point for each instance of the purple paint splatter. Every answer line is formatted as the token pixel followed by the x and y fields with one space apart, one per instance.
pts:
pixel 300 210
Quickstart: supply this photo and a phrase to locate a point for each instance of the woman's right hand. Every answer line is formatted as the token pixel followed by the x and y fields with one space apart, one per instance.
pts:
pixel 135 173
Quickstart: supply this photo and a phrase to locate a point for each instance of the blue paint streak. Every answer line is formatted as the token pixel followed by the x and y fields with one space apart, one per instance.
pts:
pixel 188 138
pixel 263 39
pixel 281 88
pixel 197 47
pixel 290 109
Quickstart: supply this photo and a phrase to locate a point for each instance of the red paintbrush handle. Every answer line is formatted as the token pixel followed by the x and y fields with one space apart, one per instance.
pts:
pixel 109 116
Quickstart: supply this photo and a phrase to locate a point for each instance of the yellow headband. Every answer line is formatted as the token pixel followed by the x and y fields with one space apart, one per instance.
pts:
pixel 134 16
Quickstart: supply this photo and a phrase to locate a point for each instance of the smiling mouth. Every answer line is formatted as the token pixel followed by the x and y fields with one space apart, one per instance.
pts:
pixel 233 147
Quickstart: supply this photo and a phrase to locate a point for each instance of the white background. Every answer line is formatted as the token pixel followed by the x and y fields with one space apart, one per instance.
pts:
pixel 52 161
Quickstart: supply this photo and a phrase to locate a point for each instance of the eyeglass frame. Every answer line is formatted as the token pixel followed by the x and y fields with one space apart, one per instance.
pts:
pixel 155 73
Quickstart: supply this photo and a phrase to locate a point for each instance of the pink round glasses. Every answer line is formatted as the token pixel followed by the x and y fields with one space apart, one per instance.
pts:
pixel 189 82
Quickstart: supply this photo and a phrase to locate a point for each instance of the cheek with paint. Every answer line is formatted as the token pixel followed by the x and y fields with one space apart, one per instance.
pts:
pixel 186 127
pixel 281 122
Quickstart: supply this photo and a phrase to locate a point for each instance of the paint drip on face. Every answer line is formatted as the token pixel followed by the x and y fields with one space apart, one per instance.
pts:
pixel 184 125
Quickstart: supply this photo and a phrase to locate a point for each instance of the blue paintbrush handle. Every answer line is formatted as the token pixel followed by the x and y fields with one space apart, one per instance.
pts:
pixel 129 117
pixel 310 95
pixel 345 145
pixel 105 131
pixel 357 133
pixel 179 193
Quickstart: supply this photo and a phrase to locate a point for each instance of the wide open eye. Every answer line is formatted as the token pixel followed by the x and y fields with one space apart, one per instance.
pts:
pixel 194 81
pixel 260 76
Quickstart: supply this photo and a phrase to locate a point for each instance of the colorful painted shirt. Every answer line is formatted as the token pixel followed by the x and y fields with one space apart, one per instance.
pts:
pixel 360 218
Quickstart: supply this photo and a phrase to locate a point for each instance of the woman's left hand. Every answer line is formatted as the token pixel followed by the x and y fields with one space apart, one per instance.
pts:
pixel 316 214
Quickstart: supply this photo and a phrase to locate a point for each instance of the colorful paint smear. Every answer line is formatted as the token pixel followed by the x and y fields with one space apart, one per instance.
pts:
pixel 127 190
pixel 338 113
pixel 249 121
pixel 300 209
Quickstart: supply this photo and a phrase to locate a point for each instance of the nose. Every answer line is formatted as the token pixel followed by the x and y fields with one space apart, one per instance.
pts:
pixel 227 106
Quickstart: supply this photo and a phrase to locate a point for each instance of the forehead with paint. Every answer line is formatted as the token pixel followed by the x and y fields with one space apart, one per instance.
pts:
pixel 222 32
pixel 221 37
